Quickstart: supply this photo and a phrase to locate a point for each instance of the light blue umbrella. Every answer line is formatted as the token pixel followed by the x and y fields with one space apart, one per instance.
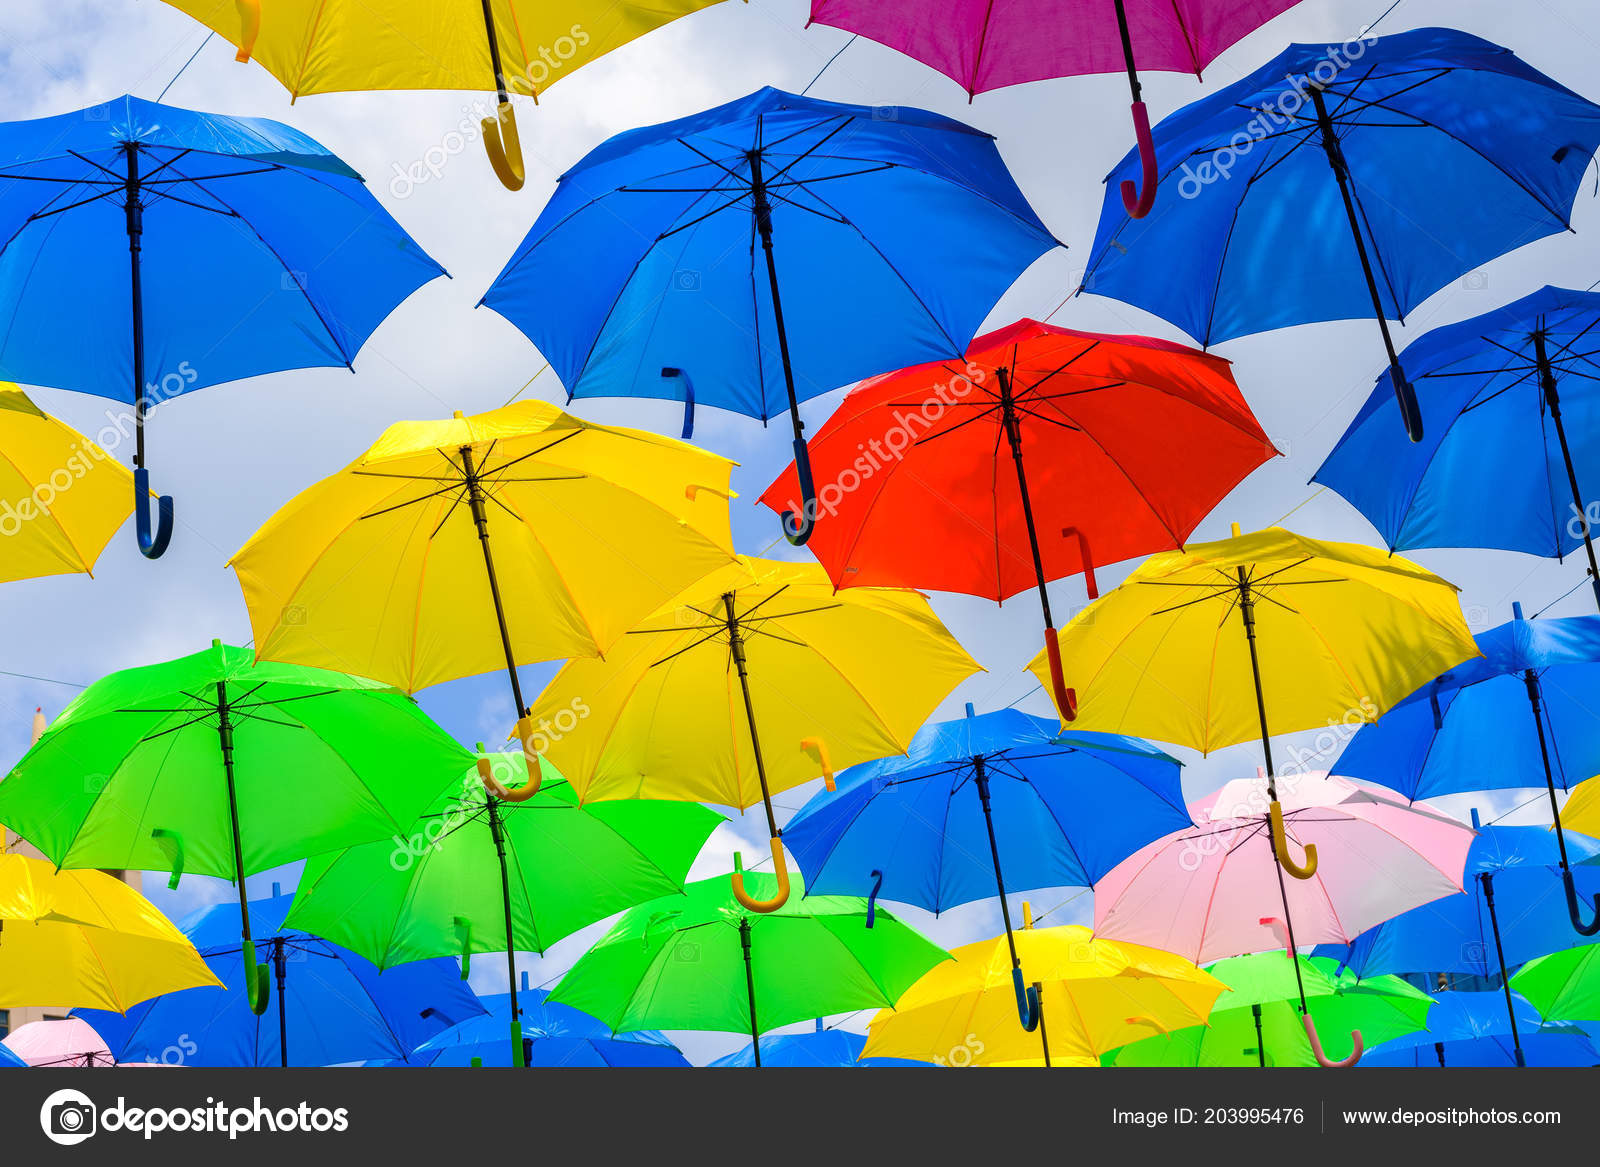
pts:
pixel 821 1048
pixel 1474 1029
pixel 148 251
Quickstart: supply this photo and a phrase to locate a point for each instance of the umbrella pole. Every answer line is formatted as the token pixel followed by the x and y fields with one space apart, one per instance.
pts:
pixel 1547 383
pixel 750 987
pixel 152 543
pixel 1028 1011
pixel 1531 680
pixel 255 974
pixel 1065 699
pixel 477 503
pixel 1404 392
pixel 500 138
pixel 1261 1041
pixel 281 966
pixel 797 531
pixel 1500 955
pixel 780 867
pixel 497 830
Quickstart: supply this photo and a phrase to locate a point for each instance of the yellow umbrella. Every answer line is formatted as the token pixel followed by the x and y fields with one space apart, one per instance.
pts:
pixel 81 939
pixel 61 496
pixel 1095 995
pixel 515 46
pixel 1582 812
pixel 387 570
pixel 755 679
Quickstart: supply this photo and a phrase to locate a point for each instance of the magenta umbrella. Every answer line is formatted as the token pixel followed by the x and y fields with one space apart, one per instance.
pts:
pixel 1207 892
pixel 989 44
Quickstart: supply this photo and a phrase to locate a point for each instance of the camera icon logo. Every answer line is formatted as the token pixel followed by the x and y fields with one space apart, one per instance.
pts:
pixel 68 1117
pixel 685 280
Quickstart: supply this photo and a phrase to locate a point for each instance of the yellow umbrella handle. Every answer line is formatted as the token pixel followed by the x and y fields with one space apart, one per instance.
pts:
pixel 1322 1059
pixel 817 750
pixel 504 147
pixel 530 757
pixel 249 28
pixel 1280 847
pixel 1142 1019
pixel 780 868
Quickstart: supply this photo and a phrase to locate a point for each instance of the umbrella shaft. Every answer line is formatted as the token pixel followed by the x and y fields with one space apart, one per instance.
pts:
pixel 1261 1041
pixel 1500 955
pixel 494 51
pixel 763 212
pixel 1247 613
pixel 750 988
pixel 981 783
pixel 1013 428
pixel 281 967
pixel 1531 679
pixel 480 517
pixel 1127 50
pixel 225 739
pixel 133 207
pixel 736 644
pixel 1547 383
pixel 497 830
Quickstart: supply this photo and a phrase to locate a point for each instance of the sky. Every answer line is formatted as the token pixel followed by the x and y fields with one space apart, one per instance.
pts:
pixel 233 454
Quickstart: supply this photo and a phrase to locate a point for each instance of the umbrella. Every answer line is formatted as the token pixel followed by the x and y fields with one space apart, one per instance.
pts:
pixel 1063 812
pixel 478 875
pixel 1473 1029
pixel 895 230
pixel 1095 995
pixel 85 938
pixel 201 249
pixel 819 1048
pixel 1582 812
pixel 1131 442
pixel 707 962
pixel 1376 181
pixel 1510 913
pixel 1202 892
pixel 216 765
pixel 60 1042
pixel 750 682
pixel 550 1036
pixel 1500 465
pixel 987 45
pixel 1564 984
pixel 1524 714
pixel 9 1060
pixel 333 1006
pixel 1256 1022
pixel 520 46
pixel 61 495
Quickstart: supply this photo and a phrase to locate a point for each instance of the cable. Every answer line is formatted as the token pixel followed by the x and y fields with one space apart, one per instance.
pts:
pixel 530 381
pixel 185 65
pixel 45 680
pixel 831 60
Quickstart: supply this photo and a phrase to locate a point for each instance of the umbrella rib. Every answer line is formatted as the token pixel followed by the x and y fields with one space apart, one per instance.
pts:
pixel 413 502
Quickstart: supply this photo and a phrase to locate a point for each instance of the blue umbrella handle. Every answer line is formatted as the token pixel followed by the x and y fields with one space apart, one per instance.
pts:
pixel 872 899
pixel 798 531
pixel 152 543
pixel 1137 200
pixel 257 979
pixel 1405 394
pixel 1575 911
pixel 673 373
pixel 1027 1001
pixel 249 28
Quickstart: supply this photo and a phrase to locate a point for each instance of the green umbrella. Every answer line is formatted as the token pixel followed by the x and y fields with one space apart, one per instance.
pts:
pixel 1564 984
pixel 217 765
pixel 1257 1022
pixel 472 863
pixel 702 961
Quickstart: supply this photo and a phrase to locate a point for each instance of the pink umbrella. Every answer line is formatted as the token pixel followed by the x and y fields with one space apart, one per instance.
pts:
pixel 1208 892
pixel 989 44
pixel 65 1042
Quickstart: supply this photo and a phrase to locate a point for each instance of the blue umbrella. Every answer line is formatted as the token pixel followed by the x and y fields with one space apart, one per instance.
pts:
pixel 148 251
pixel 1474 1029
pixel 896 231
pixel 1524 714
pixel 1510 913
pixel 554 1036
pixel 820 1049
pixel 928 828
pixel 1344 180
pixel 1500 465
pixel 333 1006
pixel 9 1060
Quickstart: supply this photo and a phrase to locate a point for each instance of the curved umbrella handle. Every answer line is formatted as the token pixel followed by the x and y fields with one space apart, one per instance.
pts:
pixel 1089 583
pixel 1280 847
pixel 1142 1019
pixel 1136 201
pixel 1066 699
pixel 249 28
pixel 530 758
pixel 504 147
pixel 152 542
pixel 1027 1001
pixel 1405 393
pixel 872 897
pixel 463 930
pixel 780 868
pixel 1280 930
pixel 1575 911
pixel 798 531
pixel 257 980
pixel 817 750
pixel 1322 1059
pixel 172 843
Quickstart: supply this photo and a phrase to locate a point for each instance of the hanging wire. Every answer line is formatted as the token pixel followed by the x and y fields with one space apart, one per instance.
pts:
pixel 529 381
pixel 1536 798
pixel 1581 583
pixel 185 65
pixel 831 60
pixel 1379 21
pixel 1073 898
pixel 45 680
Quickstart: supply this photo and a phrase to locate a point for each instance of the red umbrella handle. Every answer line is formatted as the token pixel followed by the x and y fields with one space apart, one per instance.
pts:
pixel 1136 201
pixel 1066 699
pixel 1322 1059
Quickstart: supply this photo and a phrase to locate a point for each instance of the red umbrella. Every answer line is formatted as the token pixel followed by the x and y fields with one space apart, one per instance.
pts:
pixel 1049 452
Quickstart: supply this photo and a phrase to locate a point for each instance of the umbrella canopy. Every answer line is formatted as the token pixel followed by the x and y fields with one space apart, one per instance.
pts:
pixel 9 1060
pixel 83 938
pixel 1582 812
pixel 60 1043
pixel 61 495
pixel 435 891
pixel 1564 984
pixel 707 962
pixel 1472 1029
pixel 754 680
pixel 332 1005
pixel 888 235
pixel 252 249
pixel 1258 1021
pixel 1096 994
pixel 555 1036
pixel 1375 182
pixel 1206 892
pixel 820 1048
